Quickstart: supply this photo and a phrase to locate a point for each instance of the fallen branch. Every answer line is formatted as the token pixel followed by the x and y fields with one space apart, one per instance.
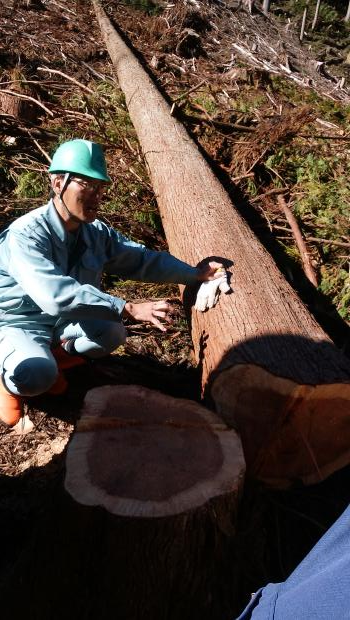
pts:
pixel 21 96
pixel 305 135
pixel 46 155
pixel 62 7
pixel 67 77
pixel 218 124
pixel 271 192
pixel 97 74
pixel 83 114
pixel 299 239
pixel 191 90
pixel 341 244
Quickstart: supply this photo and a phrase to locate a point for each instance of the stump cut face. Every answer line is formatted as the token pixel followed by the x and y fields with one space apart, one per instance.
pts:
pixel 138 452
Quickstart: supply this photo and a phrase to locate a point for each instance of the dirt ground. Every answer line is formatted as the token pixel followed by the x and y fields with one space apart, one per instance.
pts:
pixel 276 529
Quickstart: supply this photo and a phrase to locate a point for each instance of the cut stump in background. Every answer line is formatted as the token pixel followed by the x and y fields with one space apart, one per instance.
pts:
pixel 146 527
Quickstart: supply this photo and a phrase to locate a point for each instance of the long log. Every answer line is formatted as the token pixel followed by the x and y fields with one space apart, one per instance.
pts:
pixel 146 526
pixel 271 370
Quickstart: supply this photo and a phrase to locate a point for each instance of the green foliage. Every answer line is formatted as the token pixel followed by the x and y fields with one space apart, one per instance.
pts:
pixel 251 187
pixel 327 14
pixel 336 285
pixel 330 11
pixel 4 170
pixel 246 104
pixel 145 5
pixel 325 192
pixel 321 186
pixel 30 185
pixel 332 111
pixel 150 217
pixel 206 101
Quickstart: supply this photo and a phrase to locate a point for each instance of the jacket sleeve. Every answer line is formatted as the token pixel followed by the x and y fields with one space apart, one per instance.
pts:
pixel 135 262
pixel 52 291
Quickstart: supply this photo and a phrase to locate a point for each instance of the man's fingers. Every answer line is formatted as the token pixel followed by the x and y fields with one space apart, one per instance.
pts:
pixel 161 305
pixel 162 315
pixel 158 324
pixel 159 313
pixel 160 310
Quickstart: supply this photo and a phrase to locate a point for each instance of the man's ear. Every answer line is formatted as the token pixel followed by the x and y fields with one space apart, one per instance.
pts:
pixel 56 184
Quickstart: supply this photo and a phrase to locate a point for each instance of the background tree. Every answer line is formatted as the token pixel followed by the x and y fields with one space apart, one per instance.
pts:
pixel 266 6
pixel 347 16
pixel 317 10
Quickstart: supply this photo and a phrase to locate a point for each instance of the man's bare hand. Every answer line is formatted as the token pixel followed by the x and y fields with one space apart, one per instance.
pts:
pixel 149 312
pixel 210 271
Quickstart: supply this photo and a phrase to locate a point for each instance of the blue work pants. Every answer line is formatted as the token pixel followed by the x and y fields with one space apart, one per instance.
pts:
pixel 27 364
pixel 318 589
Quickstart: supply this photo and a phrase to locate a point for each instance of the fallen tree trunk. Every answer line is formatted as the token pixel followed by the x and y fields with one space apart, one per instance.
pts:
pixel 146 527
pixel 271 370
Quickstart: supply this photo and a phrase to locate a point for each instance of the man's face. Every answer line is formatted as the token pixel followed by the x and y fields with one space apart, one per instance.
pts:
pixel 82 197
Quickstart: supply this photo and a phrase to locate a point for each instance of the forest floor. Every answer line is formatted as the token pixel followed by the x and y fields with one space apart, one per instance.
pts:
pixel 271 115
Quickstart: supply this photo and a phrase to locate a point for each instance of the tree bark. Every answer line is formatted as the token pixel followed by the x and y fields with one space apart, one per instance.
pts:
pixel 270 369
pixel 146 527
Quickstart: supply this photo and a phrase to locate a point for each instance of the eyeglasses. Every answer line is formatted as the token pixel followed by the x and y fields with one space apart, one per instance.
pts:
pixel 90 186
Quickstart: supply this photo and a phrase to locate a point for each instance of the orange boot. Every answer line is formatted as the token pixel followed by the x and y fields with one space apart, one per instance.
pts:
pixel 64 361
pixel 11 406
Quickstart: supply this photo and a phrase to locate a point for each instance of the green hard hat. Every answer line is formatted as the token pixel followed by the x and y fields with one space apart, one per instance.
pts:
pixel 80 157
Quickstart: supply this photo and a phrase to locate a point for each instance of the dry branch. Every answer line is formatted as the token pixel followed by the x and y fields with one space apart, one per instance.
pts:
pixel 46 155
pixel 299 239
pixel 188 92
pixel 67 77
pixel 340 244
pixel 22 96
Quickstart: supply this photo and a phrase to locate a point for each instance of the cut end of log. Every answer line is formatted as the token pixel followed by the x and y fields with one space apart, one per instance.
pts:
pixel 141 453
pixel 290 432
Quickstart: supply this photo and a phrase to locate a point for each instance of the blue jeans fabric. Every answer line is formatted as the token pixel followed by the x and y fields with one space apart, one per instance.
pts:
pixel 318 589
pixel 27 365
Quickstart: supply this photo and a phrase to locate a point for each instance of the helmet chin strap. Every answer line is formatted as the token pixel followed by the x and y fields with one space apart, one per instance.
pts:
pixel 66 181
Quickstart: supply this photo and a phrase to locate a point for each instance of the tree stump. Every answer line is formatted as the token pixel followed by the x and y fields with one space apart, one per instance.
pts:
pixel 146 528
pixel 15 105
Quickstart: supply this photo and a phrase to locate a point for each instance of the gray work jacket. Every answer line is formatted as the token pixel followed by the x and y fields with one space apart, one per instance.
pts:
pixel 44 278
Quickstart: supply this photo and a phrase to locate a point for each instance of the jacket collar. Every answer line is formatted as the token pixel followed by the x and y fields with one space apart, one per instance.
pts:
pixel 55 222
pixel 56 225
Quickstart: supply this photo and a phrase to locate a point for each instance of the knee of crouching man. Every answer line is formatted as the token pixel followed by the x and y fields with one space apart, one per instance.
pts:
pixel 35 376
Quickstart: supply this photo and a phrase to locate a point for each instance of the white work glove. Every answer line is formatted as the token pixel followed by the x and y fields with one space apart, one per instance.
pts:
pixel 208 293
